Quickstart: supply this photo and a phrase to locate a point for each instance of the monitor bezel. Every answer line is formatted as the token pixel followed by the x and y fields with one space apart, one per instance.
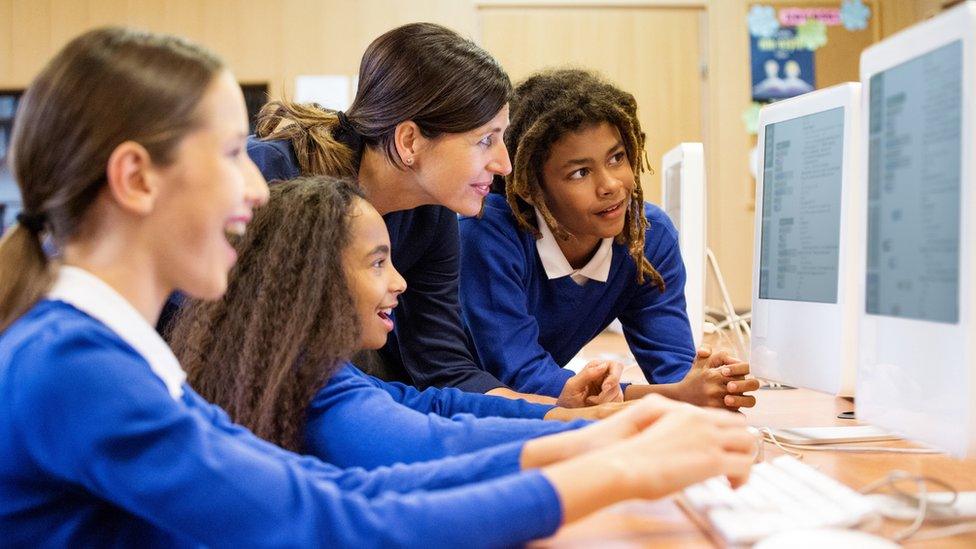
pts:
pixel 896 381
pixel 804 343
pixel 689 158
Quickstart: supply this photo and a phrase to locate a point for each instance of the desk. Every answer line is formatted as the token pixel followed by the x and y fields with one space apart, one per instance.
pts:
pixel 663 523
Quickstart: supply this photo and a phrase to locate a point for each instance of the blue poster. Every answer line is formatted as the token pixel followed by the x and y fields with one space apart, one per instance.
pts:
pixel 782 66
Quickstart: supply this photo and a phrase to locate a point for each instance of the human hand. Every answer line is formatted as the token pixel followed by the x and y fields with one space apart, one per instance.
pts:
pixel 717 380
pixel 592 413
pixel 681 447
pixel 597 383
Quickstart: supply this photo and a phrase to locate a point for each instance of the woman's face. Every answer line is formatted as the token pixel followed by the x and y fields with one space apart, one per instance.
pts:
pixel 206 193
pixel 373 281
pixel 588 181
pixel 455 170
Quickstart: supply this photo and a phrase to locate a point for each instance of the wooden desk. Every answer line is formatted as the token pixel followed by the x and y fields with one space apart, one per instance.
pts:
pixel 663 523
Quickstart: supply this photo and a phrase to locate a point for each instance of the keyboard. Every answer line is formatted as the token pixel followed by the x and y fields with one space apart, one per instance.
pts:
pixel 781 494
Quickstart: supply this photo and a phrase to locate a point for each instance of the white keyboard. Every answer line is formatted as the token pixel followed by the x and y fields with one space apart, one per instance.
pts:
pixel 782 494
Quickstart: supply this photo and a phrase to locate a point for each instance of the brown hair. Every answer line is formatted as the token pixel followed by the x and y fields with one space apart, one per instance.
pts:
pixel 103 88
pixel 421 72
pixel 549 105
pixel 287 320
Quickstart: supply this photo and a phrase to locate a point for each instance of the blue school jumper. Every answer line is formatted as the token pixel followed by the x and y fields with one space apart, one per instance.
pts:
pixel 524 327
pixel 358 420
pixel 427 347
pixel 103 444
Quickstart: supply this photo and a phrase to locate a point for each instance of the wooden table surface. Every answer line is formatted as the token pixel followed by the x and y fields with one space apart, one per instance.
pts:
pixel 663 523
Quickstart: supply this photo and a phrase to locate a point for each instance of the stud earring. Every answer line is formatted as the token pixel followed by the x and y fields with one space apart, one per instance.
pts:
pixel 408 161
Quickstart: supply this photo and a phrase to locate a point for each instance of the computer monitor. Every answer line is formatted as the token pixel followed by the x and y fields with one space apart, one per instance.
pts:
pixel 917 372
pixel 806 292
pixel 683 199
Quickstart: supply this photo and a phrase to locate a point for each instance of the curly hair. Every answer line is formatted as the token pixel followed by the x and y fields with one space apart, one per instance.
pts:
pixel 287 320
pixel 547 106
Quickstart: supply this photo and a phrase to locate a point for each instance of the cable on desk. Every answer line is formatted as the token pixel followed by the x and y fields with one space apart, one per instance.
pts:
pixel 922 505
pixel 769 437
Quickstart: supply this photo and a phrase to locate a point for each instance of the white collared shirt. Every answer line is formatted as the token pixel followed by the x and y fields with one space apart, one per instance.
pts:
pixel 91 295
pixel 556 264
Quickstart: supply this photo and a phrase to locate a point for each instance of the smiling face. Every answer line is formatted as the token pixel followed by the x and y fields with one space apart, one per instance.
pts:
pixel 455 170
pixel 208 191
pixel 372 280
pixel 587 184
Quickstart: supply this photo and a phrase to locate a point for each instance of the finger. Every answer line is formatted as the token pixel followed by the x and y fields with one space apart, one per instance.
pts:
pixel 734 369
pixel 595 365
pixel 738 439
pixel 742 386
pixel 739 401
pixel 592 373
pixel 704 351
pixel 737 468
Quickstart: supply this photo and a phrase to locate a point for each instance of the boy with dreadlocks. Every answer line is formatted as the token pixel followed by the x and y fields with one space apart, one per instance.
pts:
pixel 568 245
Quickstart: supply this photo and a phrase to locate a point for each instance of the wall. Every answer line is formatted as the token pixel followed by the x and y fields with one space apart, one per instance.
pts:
pixel 275 41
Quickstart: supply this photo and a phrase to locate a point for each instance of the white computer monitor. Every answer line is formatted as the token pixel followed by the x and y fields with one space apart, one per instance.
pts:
pixel 807 262
pixel 917 372
pixel 683 199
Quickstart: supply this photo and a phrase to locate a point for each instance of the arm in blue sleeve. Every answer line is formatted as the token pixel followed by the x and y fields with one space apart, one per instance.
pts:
pixel 432 342
pixel 495 309
pixel 449 401
pixel 656 324
pixel 92 415
pixel 352 422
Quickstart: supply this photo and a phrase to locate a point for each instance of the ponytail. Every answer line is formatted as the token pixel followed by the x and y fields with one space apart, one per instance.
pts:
pixel 315 134
pixel 25 273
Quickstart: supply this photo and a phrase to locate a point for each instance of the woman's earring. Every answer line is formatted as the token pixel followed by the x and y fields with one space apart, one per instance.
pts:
pixel 408 161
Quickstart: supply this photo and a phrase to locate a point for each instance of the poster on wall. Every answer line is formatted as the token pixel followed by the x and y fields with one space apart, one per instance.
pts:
pixel 782 66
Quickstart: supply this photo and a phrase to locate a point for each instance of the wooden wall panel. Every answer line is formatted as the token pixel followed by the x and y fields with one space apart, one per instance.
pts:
pixel 651 52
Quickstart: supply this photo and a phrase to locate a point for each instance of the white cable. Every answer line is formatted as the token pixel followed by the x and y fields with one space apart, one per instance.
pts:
pixel 732 317
pixel 769 437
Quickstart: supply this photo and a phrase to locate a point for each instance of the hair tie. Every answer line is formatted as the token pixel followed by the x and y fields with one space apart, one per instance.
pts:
pixel 348 133
pixel 32 222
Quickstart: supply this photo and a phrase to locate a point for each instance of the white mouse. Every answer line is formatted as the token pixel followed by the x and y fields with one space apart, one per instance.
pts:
pixel 835 538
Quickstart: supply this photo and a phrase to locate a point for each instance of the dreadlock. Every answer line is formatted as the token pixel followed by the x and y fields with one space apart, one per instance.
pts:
pixel 547 106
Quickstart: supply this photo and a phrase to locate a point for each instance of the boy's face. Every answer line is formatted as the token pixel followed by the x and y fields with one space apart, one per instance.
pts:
pixel 587 182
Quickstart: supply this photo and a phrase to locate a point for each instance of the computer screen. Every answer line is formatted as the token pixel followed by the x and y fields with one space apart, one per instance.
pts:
pixel 801 203
pixel 914 187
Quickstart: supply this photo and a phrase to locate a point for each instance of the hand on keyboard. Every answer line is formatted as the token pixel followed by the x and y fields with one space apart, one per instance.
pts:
pixel 782 494
pixel 683 446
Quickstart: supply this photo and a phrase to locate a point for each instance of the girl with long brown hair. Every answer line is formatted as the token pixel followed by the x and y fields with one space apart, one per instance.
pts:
pixel 317 258
pixel 569 245
pixel 423 137
pixel 129 153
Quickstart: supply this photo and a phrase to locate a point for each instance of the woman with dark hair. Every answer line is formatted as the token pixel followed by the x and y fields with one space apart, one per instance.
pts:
pixel 569 245
pixel 423 137
pixel 129 153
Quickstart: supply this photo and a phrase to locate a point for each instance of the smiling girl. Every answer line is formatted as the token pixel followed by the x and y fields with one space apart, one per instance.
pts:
pixel 570 245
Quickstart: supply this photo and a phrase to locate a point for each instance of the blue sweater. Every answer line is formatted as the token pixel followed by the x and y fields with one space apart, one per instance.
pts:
pixel 96 451
pixel 525 327
pixel 427 347
pixel 358 420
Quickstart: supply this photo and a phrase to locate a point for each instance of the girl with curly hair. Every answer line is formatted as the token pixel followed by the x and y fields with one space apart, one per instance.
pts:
pixel 295 312
pixel 569 245
pixel 315 284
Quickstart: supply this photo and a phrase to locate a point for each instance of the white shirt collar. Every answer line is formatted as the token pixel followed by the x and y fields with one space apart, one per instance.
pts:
pixel 89 294
pixel 556 265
